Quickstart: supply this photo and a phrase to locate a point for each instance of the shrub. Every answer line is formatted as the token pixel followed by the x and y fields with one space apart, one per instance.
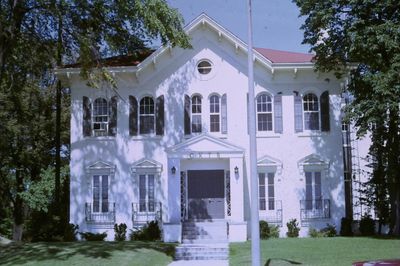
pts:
pixel 367 226
pixel 329 231
pixel 293 228
pixel 88 236
pixel 314 233
pixel 70 232
pixel 345 227
pixel 120 232
pixel 274 231
pixel 264 230
pixel 268 231
pixel 150 232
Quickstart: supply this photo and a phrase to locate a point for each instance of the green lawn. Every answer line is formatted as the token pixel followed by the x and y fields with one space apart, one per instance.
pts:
pixel 87 253
pixel 285 251
pixel 317 251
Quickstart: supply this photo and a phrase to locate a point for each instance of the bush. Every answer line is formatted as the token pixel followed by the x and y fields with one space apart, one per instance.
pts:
pixel 268 231
pixel 329 231
pixel 70 232
pixel 346 227
pixel 120 232
pixel 88 236
pixel 293 228
pixel 367 226
pixel 150 232
pixel 314 233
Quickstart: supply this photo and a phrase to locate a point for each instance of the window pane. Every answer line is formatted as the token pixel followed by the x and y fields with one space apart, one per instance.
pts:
pixel 309 196
pixel 104 194
pixel 214 123
pixel 96 193
pixel 261 191
pixel 196 123
pixel 146 124
pixel 142 193
pixel 271 192
pixel 150 193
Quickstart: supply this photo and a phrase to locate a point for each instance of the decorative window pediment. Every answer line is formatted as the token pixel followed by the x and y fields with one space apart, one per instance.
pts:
pixel 100 168
pixel 146 166
pixel 313 162
pixel 269 164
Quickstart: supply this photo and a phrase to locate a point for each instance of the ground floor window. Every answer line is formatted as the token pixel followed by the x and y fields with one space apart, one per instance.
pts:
pixel 266 191
pixel 313 190
pixel 146 193
pixel 100 193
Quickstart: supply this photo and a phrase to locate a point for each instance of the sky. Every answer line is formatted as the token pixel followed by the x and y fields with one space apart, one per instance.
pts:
pixel 276 23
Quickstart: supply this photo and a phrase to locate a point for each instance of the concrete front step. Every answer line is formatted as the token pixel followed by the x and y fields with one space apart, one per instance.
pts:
pixel 218 251
pixel 215 230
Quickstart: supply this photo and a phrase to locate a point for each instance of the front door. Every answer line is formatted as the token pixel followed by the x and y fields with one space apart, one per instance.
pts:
pixel 206 194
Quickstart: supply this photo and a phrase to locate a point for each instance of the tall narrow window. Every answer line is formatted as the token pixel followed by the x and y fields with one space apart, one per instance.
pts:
pixel 311 112
pixel 146 193
pixel 266 191
pixel 100 193
pixel 261 191
pixel 313 190
pixel 214 113
pixel 264 113
pixel 196 114
pixel 100 117
pixel 146 115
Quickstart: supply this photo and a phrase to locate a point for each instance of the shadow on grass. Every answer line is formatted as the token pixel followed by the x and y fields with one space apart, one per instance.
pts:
pixel 19 253
pixel 269 261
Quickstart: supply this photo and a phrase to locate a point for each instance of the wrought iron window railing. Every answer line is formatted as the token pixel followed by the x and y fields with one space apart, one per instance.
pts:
pixel 272 212
pixel 103 213
pixel 315 209
pixel 146 211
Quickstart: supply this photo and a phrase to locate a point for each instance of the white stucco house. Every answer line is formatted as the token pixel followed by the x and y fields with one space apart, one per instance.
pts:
pixel 171 143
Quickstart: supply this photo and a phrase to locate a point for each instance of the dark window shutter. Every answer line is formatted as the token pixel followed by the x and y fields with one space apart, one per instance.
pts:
pixel 325 123
pixel 298 113
pixel 278 113
pixel 112 124
pixel 87 117
pixel 160 115
pixel 187 114
pixel 224 115
pixel 133 116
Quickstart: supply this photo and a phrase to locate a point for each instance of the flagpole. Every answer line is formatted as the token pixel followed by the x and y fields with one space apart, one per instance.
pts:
pixel 255 225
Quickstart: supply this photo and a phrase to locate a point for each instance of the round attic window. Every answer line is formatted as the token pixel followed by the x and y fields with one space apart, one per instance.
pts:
pixel 204 67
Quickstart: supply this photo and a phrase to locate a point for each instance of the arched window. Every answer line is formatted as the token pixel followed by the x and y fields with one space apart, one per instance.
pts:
pixel 100 117
pixel 264 112
pixel 215 111
pixel 146 115
pixel 311 112
pixel 196 114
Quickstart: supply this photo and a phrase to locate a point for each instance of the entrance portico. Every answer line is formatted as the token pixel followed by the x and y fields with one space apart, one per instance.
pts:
pixel 208 171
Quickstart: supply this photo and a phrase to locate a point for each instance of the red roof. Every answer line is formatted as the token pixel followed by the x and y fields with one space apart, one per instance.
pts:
pixel 277 56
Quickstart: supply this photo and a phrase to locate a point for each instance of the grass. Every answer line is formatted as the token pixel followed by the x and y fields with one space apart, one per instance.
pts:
pixel 87 253
pixel 316 251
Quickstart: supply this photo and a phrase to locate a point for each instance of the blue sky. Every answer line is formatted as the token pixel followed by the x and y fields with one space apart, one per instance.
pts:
pixel 275 22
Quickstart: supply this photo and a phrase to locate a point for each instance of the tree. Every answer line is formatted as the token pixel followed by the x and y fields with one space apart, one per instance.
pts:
pixel 366 32
pixel 37 36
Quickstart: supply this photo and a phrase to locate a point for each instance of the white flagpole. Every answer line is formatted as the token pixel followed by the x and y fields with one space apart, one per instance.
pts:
pixel 255 226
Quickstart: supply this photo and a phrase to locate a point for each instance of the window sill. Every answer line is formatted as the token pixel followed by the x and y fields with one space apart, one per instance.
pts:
pixel 214 134
pixel 308 134
pixel 267 135
pixel 100 138
pixel 146 137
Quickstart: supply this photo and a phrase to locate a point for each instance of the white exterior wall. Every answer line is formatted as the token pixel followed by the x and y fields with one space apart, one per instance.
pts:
pixel 173 74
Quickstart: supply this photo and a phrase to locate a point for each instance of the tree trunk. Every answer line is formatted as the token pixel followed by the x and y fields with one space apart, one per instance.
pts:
pixel 18 208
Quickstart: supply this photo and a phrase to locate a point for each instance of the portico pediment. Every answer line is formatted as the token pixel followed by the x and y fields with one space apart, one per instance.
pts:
pixel 204 146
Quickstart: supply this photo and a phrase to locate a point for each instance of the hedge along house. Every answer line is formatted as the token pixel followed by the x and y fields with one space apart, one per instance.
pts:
pixel 172 145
